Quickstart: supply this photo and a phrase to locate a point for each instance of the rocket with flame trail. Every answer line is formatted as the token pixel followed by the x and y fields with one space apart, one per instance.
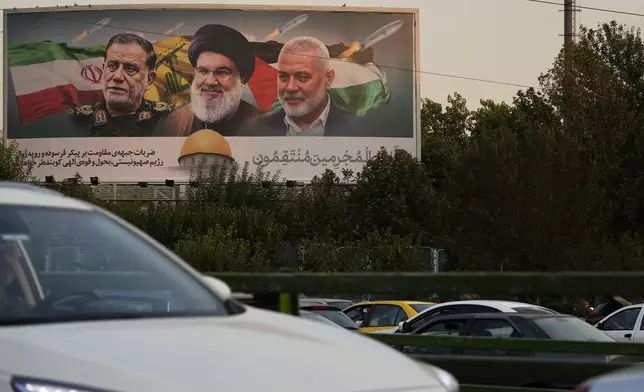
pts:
pixel 386 31
pixel 174 29
pixel 290 25
pixel 86 33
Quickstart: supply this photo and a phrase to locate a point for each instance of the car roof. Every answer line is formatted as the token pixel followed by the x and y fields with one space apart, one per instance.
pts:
pixel 501 316
pixel 20 194
pixel 497 316
pixel 502 306
pixel 393 302
pixel 505 306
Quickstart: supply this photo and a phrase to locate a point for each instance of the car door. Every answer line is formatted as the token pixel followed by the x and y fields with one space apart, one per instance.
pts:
pixel 622 325
pixel 442 326
pixel 639 329
pixel 497 327
pixel 383 316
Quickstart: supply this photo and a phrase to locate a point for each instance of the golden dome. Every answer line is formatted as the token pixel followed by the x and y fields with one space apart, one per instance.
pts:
pixel 205 141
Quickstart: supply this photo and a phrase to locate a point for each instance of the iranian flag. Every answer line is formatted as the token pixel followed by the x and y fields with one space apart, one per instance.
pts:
pixel 50 78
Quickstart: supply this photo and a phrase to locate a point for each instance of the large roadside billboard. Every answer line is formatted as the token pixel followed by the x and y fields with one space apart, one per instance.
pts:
pixel 136 94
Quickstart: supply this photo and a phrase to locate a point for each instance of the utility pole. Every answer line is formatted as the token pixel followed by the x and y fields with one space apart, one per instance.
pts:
pixel 569 39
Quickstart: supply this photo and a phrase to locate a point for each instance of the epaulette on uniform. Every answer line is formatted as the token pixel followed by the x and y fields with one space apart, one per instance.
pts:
pixel 161 107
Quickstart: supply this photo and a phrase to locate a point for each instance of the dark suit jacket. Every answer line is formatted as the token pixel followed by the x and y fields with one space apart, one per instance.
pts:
pixel 339 123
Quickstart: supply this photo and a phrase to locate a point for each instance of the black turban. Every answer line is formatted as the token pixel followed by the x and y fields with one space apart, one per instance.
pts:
pixel 225 41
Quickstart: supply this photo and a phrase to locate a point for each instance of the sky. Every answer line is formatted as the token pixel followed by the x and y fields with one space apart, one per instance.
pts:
pixel 508 41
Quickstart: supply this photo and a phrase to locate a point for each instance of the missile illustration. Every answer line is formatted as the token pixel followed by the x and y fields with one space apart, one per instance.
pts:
pixel 101 23
pixel 290 25
pixel 175 28
pixel 386 31
pixel 86 33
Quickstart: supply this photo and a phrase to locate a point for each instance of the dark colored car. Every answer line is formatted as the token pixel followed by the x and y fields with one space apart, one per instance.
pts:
pixel 507 326
pixel 332 313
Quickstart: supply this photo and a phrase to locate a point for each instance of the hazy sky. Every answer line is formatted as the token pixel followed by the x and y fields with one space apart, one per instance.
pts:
pixel 509 41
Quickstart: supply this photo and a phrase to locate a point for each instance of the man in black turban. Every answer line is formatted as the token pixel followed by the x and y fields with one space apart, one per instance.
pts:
pixel 224 61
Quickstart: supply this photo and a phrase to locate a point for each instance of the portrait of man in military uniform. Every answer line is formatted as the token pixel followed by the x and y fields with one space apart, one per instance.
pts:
pixel 128 70
pixel 224 61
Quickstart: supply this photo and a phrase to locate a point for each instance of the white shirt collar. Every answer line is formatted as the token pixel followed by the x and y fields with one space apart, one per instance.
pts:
pixel 317 126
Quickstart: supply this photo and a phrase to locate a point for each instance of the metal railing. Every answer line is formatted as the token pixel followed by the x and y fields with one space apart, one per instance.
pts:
pixel 508 373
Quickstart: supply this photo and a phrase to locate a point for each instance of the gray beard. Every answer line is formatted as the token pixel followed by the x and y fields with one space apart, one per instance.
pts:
pixel 212 111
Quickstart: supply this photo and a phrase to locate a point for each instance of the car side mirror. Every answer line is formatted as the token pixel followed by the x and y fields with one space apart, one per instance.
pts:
pixel 600 326
pixel 218 286
pixel 403 327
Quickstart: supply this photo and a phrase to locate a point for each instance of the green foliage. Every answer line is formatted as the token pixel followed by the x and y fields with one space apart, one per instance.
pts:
pixel 219 249
pixel 74 187
pixel 14 163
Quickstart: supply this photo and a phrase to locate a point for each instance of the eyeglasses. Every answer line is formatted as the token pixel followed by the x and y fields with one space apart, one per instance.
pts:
pixel 221 74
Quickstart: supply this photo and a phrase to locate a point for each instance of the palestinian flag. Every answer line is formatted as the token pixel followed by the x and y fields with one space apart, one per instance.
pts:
pixel 50 77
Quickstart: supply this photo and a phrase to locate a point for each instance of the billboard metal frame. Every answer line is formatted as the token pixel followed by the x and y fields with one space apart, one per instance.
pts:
pixel 228 7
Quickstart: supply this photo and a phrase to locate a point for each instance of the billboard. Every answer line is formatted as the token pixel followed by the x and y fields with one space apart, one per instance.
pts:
pixel 136 94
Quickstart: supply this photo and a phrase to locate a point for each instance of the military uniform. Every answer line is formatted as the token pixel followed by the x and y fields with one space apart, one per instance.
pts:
pixel 95 120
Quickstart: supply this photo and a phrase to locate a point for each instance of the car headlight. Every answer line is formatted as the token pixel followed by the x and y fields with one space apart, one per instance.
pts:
pixel 34 385
pixel 445 378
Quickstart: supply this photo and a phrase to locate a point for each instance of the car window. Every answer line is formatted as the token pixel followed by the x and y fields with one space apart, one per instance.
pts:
pixel 451 327
pixel 493 328
pixel 384 316
pixel 622 321
pixel 58 264
pixel 570 328
pixel 424 317
pixel 448 310
pixel 357 313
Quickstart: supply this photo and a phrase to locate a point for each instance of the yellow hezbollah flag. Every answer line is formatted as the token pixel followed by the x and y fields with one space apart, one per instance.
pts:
pixel 174 72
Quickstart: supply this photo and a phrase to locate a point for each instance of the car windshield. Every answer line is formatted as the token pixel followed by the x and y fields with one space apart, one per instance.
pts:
pixel 571 328
pixel 337 317
pixel 420 307
pixel 67 265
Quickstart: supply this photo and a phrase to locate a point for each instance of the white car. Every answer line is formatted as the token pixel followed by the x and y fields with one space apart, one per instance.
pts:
pixel 624 325
pixel 626 379
pixel 461 307
pixel 89 303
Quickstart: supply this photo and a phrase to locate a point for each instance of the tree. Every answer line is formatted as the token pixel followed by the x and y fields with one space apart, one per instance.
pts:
pixel 393 192
pixel 14 163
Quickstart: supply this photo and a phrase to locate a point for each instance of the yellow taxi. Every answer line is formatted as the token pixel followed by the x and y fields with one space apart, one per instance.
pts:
pixel 373 316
